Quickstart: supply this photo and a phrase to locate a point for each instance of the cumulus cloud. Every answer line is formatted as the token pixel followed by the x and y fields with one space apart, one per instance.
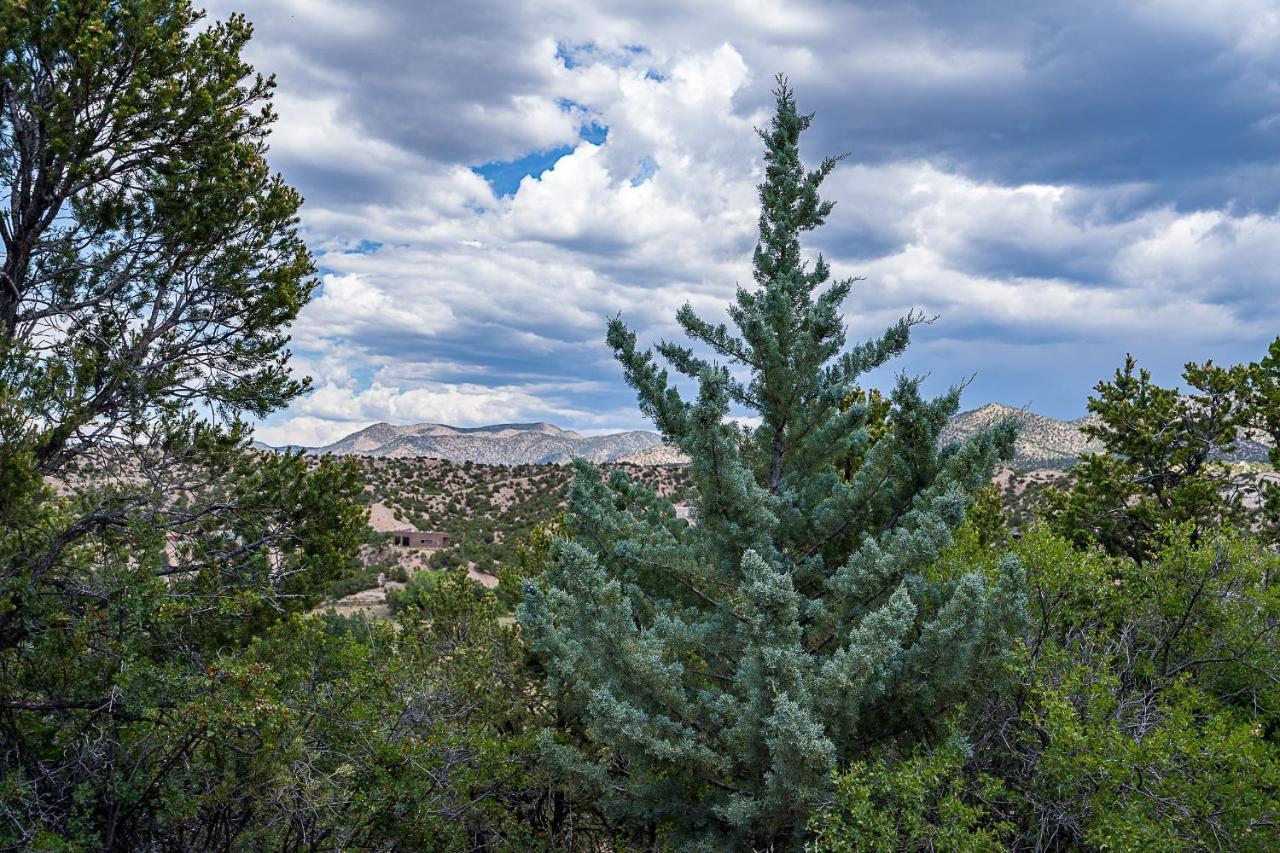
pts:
pixel 1060 183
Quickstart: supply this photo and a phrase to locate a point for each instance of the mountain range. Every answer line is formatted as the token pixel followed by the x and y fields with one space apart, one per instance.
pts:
pixel 1043 442
pixel 500 444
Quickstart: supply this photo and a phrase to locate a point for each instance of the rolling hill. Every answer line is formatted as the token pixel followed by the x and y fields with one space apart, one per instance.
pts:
pixel 1043 442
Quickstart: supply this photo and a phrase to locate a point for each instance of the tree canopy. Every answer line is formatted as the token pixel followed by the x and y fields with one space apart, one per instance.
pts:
pixel 152 264
pixel 726 668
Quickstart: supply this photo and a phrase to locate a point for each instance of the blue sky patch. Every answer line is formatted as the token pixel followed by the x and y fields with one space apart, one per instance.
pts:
pixel 647 169
pixel 595 133
pixel 572 56
pixel 585 53
pixel 505 177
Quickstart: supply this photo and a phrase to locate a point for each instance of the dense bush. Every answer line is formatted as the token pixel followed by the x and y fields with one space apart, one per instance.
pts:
pixel 1141 711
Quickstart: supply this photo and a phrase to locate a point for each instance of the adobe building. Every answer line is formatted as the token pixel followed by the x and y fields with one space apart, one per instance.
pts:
pixel 420 538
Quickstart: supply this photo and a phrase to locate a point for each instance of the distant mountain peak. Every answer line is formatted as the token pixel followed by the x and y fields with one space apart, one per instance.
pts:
pixel 999 410
pixel 1042 442
pixel 541 427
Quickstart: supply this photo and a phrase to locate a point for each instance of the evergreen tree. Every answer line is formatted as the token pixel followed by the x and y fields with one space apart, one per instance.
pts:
pixel 151 264
pixel 1164 460
pixel 727 667
pixel 1258 385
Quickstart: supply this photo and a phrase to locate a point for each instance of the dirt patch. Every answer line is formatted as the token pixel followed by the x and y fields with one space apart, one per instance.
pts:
pixel 485 579
pixel 383 520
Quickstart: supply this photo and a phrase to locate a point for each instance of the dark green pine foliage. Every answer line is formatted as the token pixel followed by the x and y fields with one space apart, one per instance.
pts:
pixel 726 668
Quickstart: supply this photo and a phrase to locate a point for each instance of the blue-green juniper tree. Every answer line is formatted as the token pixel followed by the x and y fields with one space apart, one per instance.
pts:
pixel 727 667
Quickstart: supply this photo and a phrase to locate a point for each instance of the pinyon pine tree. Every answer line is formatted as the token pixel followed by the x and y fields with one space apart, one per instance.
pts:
pixel 726 668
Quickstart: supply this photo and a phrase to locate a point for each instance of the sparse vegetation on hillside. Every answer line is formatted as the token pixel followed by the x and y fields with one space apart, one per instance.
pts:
pixel 487 510
pixel 500 444
pixel 1042 442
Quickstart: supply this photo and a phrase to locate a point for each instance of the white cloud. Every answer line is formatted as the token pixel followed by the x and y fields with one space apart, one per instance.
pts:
pixel 1251 27
pixel 332 17
pixel 316 131
pixel 1052 261
pixel 466 404
pixel 965 196
pixel 306 431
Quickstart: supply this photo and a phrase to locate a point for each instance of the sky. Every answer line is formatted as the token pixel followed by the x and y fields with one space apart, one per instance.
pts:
pixel 487 183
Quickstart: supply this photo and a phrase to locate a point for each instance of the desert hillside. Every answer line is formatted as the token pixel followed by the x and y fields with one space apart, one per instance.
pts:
pixel 1043 442
pixel 500 444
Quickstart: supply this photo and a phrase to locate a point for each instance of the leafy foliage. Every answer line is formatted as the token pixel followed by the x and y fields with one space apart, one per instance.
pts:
pixel 1148 709
pixel 918 802
pixel 151 258
pixel 500 710
pixel 1140 712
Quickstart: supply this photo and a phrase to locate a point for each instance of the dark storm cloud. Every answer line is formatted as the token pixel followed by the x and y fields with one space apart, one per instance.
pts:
pixel 1081 93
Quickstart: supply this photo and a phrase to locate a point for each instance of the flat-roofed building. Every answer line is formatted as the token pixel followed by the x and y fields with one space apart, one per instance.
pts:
pixel 420 538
